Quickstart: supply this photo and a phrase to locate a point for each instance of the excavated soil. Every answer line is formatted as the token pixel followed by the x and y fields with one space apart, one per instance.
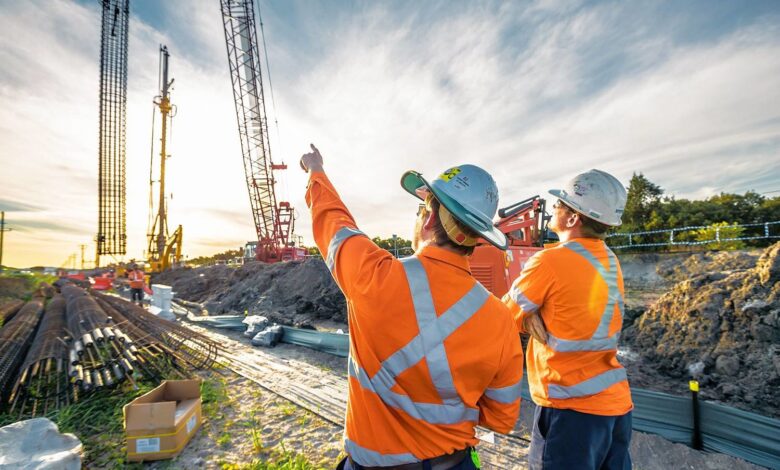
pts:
pixel 296 293
pixel 12 288
pixel 720 324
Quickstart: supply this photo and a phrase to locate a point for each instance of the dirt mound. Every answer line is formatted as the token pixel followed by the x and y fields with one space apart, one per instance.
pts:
pixel 721 327
pixel 297 293
pixel 198 284
pixel 677 270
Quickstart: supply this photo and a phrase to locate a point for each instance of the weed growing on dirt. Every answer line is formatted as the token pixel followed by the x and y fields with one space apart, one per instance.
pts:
pixel 224 440
pixel 255 432
pixel 287 409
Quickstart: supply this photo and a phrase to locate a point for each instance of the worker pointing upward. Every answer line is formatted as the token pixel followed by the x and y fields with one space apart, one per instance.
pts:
pixel 432 352
pixel 570 299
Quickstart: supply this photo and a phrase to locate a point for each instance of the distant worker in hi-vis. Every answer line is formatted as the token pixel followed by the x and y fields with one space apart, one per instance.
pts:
pixel 432 352
pixel 137 280
pixel 570 299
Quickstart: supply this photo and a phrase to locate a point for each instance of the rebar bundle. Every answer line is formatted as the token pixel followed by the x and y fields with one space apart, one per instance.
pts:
pixel 193 348
pixel 44 372
pixel 88 342
pixel 8 310
pixel 15 339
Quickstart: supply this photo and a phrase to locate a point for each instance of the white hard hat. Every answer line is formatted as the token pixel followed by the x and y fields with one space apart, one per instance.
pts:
pixel 596 194
pixel 468 192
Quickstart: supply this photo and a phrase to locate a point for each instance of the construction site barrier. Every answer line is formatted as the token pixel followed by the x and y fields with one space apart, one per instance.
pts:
pixel 724 429
pixel 679 236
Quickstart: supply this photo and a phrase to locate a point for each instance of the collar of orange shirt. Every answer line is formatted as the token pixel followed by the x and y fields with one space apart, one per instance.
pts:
pixel 440 254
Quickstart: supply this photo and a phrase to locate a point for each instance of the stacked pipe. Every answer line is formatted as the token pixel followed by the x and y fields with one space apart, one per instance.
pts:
pixel 8 310
pixel 15 339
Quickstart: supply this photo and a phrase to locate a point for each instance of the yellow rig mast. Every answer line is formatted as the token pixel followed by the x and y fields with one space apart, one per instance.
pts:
pixel 163 251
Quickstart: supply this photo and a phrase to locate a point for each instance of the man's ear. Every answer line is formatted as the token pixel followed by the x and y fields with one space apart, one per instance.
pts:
pixel 572 220
pixel 430 221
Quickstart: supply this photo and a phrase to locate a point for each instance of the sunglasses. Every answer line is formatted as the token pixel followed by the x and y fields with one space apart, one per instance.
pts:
pixel 560 205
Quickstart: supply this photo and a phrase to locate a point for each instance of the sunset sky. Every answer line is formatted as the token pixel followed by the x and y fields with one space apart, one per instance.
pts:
pixel 687 93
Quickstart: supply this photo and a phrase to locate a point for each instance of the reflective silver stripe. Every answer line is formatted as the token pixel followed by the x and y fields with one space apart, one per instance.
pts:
pixel 335 242
pixel 430 412
pixel 370 458
pixel 610 278
pixel 509 394
pixel 600 340
pixel 564 345
pixel 428 345
pixel 523 301
pixel 588 387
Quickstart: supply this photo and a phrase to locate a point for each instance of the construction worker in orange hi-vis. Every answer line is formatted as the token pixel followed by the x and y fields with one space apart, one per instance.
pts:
pixel 136 278
pixel 432 352
pixel 569 298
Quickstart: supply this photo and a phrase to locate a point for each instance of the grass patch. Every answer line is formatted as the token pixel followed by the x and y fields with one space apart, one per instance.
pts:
pixel 279 459
pixel 98 422
pixel 213 394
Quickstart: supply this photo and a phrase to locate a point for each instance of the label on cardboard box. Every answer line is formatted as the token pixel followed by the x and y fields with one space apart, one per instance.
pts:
pixel 151 444
pixel 191 423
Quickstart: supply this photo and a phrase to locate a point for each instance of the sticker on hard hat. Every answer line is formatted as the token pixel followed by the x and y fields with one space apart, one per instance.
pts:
pixel 449 174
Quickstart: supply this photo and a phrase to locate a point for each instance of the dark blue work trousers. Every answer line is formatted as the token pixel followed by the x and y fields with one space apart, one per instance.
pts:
pixel 569 440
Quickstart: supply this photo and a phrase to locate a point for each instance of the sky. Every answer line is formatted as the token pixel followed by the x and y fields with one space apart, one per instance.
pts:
pixel 686 93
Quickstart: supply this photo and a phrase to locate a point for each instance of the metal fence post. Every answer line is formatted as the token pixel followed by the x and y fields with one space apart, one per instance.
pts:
pixel 696 438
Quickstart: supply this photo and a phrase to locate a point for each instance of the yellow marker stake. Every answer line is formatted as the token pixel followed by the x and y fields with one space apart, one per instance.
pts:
pixel 694 385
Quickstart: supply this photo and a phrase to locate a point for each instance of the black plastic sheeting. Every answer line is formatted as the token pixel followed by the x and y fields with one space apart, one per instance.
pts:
pixel 724 429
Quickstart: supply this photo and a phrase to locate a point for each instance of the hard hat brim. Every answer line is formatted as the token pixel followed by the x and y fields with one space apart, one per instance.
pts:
pixel 413 182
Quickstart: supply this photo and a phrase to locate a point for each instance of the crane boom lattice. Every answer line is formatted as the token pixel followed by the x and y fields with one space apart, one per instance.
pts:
pixel 274 222
pixel 112 229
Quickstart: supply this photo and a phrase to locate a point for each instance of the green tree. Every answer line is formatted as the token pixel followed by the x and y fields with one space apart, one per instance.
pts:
pixel 643 198
pixel 721 235
pixel 389 244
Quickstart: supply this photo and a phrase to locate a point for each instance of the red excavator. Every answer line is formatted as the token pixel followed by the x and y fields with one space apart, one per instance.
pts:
pixel 525 226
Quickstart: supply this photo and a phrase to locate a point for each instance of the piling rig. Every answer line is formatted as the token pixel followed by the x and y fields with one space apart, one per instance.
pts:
pixel 164 250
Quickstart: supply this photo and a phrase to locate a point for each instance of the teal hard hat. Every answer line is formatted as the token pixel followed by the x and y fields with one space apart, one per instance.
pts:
pixel 468 192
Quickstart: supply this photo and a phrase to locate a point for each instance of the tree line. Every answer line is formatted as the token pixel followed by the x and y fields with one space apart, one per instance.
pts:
pixel 647 209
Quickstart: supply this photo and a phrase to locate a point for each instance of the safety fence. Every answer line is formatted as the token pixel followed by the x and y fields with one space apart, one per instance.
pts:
pixel 695 235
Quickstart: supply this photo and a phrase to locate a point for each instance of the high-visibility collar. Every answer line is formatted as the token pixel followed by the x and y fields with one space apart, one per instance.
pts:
pixel 440 254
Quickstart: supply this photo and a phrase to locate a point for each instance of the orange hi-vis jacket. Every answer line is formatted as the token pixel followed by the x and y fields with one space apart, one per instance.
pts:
pixel 136 277
pixel 432 352
pixel 577 287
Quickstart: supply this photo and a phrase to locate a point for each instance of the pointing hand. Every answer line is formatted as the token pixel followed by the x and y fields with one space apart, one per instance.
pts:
pixel 311 161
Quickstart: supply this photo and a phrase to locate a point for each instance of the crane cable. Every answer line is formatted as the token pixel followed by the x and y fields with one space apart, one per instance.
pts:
pixel 271 87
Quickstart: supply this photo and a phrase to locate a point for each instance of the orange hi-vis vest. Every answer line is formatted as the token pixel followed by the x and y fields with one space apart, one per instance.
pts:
pixel 432 352
pixel 577 288
pixel 136 279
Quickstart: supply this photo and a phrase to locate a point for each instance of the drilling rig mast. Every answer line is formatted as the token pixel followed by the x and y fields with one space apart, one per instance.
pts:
pixel 274 223
pixel 163 252
pixel 112 230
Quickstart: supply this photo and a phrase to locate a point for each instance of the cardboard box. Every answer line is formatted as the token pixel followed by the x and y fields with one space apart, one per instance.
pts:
pixel 160 423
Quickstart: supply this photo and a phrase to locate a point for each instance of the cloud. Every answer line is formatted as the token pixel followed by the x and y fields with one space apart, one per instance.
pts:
pixel 16 206
pixel 535 92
